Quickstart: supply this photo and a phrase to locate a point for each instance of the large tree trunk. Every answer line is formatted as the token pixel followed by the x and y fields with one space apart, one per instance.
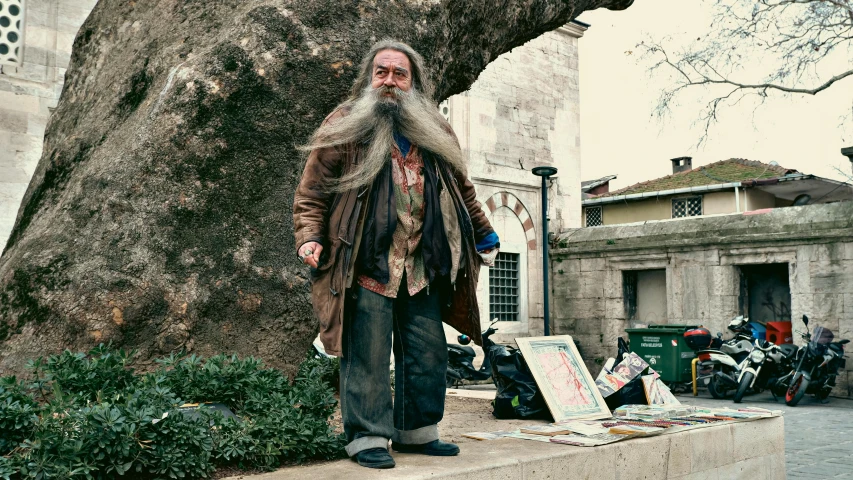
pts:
pixel 159 216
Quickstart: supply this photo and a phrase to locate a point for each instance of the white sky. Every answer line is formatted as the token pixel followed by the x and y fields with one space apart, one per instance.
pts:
pixel 619 135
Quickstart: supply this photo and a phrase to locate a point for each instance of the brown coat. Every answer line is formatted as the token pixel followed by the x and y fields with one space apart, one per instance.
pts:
pixel 335 221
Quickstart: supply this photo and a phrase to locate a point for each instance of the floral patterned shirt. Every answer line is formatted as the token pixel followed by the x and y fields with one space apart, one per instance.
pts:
pixel 405 253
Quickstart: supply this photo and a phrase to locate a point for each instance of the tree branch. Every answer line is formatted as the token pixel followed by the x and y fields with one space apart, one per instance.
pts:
pixel 797 35
pixel 494 30
pixel 765 86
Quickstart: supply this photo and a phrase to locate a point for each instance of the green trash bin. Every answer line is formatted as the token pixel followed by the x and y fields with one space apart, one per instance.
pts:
pixel 665 350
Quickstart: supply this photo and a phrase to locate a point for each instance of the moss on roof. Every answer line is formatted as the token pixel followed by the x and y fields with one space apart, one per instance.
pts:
pixel 724 171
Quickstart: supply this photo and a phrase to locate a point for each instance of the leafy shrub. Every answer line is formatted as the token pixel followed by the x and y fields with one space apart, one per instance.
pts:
pixel 18 414
pixel 92 416
pixel 220 378
pixel 101 372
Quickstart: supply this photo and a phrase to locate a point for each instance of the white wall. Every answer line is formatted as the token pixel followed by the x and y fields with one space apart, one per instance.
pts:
pixel 523 112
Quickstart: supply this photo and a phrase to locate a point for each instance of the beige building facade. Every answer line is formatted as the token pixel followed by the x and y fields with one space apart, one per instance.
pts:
pixel 724 187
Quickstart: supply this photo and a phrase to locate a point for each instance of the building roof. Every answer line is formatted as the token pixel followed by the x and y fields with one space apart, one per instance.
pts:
pixel 724 171
pixel 587 185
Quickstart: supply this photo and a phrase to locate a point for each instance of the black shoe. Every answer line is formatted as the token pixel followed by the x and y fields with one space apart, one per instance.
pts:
pixel 435 448
pixel 374 458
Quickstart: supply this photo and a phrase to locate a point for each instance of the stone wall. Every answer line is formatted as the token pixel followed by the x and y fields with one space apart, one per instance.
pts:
pixel 747 450
pixel 511 121
pixel 702 257
pixel 28 93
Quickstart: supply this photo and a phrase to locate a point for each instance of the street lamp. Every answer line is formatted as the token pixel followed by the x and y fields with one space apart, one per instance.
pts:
pixel 545 173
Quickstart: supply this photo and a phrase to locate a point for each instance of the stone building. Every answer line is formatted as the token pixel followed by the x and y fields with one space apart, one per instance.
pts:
pixel 728 186
pixel 775 264
pixel 507 123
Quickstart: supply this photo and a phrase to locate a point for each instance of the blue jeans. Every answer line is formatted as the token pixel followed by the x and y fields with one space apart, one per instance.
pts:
pixel 420 353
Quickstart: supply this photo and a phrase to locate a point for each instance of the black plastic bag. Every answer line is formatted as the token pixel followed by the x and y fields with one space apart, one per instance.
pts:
pixel 621 350
pixel 518 395
pixel 632 393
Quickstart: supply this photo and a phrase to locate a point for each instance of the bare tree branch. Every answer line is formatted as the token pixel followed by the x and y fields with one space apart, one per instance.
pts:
pixel 764 86
pixel 795 41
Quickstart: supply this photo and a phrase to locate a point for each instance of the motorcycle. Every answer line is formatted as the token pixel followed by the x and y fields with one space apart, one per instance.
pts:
pixel 719 363
pixel 818 362
pixel 460 359
pixel 766 366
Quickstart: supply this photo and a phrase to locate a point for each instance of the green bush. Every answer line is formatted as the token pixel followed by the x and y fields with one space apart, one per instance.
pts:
pixel 18 414
pixel 92 416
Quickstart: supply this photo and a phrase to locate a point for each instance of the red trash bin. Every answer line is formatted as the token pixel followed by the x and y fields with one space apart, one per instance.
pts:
pixel 779 332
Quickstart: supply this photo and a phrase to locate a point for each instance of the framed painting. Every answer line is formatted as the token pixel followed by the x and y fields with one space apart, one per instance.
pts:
pixel 559 371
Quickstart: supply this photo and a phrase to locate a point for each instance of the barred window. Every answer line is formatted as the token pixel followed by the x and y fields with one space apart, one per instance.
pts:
pixel 11 31
pixel 686 207
pixel 503 287
pixel 594 218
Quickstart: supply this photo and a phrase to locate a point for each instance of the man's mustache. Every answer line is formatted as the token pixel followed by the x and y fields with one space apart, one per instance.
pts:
pixel 384 90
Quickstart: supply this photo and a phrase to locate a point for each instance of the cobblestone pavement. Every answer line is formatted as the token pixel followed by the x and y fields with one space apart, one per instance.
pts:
pixel 818 437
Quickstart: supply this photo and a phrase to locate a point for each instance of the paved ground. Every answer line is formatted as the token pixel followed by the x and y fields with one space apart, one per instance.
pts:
pixel 818 437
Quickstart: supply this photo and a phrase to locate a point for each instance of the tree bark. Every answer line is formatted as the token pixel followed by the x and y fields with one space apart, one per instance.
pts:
pixel 159 217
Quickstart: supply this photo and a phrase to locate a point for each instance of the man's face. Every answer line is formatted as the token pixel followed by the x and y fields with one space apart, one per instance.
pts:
pixel 391 69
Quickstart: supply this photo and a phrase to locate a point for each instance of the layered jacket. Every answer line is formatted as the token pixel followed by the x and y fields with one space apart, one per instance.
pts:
pixel 337 220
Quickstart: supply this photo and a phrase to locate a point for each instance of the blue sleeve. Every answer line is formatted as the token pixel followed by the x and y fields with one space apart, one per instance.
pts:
pixel 489 242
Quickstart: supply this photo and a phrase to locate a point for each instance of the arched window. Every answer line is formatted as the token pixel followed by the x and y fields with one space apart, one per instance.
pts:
pixel 508 278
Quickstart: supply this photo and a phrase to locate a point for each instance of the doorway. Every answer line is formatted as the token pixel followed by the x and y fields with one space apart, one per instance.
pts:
pixel 765 292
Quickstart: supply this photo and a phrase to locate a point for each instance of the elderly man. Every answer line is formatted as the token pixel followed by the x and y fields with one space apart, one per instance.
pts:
pixel 388 220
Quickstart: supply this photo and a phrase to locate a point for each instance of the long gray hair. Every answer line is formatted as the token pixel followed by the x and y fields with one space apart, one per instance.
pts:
pixel 368 118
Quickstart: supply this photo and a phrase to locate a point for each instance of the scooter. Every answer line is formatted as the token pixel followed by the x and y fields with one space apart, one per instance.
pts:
pixel 766 366
pixel 720 366
pixel 817 365
pixel 460 359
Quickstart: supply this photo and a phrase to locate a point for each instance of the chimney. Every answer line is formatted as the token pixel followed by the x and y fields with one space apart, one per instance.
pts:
pixel 848 152
pixel 682 164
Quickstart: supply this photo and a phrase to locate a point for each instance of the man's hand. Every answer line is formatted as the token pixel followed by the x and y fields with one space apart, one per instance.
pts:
pixel 489 256
pixel 310 252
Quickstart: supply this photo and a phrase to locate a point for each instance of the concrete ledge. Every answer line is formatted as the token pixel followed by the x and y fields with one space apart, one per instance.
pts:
pixel 821 223
pixel 753 450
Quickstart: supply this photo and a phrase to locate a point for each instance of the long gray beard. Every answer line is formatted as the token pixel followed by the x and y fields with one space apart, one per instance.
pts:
pixel 372 119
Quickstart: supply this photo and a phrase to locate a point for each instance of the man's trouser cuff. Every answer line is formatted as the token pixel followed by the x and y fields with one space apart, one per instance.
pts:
pixel 418 436
pixel 365 443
